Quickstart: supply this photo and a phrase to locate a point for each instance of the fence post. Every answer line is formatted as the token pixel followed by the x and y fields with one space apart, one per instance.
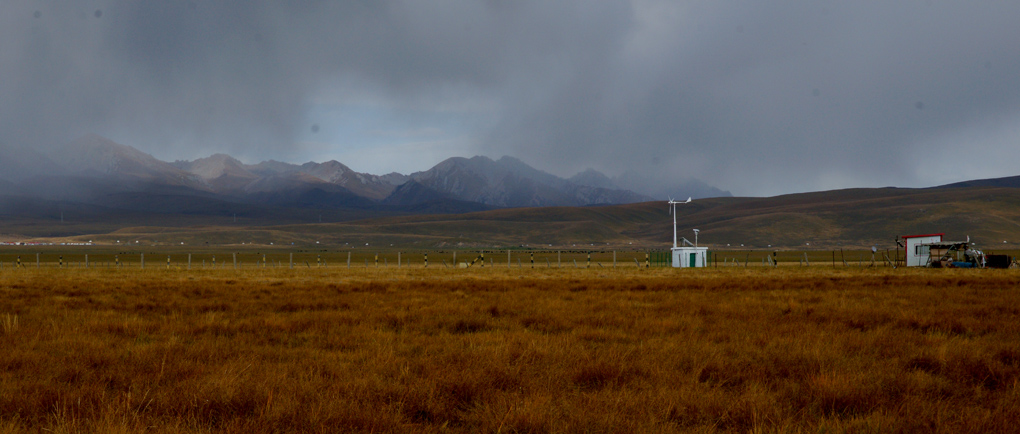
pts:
pixel 647 260
pixel 87 261
pixel 532 259
pixel 377 260
pixel 398 259
pixel 235 259
pixel 508 258
pixel 426 259
pixel 614 258
pixel 348 259
pixel 559 264
pixel 189 261
pixel 292 260
pixel 143 261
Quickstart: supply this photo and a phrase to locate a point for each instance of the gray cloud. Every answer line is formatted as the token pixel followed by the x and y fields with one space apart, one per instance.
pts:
pixel 757 98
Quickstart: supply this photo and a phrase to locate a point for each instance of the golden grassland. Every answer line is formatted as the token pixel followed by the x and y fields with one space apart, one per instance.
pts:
pixel 732 349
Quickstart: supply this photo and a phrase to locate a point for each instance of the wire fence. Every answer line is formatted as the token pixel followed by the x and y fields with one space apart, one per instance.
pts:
pixel 520 259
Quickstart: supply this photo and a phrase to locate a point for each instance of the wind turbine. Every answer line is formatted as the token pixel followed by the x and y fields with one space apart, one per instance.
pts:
pixel 672 210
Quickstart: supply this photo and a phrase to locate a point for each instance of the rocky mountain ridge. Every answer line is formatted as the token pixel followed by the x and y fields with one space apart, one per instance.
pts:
pixel 95 168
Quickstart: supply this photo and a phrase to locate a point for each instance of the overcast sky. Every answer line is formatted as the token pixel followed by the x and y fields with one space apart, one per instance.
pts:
pixel 758 98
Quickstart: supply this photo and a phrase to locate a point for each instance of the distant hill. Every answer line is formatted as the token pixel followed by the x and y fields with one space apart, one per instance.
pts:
pixel 849 219
pixel 98 157
pixel 419 199
pixel 99 186
pixel 1010 182
pixel 509 182
pixel 93 167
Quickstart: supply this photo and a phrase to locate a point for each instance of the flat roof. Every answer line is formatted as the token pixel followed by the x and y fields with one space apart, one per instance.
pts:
pixel 923 235
pixel 946 243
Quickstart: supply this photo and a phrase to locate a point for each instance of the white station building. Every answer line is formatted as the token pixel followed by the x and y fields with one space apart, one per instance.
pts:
pixel 694 257
pixel 690 256
pixel 917 253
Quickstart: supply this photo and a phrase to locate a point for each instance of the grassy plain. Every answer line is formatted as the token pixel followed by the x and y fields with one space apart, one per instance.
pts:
pixel 732 349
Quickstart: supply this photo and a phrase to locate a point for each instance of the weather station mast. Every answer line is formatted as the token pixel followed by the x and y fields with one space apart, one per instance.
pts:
pixel 690 255
pixel 672 210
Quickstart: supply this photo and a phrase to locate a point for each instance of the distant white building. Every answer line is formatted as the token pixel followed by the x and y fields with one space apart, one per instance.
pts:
pixel 916 252
pixel 694 257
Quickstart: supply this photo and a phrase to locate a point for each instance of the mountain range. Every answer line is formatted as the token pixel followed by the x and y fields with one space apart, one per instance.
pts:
pixel 96 188
pixel 94 170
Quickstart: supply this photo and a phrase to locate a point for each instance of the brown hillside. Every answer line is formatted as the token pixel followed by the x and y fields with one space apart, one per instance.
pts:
pixel 841 218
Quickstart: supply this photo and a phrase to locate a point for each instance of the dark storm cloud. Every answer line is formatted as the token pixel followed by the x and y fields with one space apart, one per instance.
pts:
pixel 758 98
pixel 790 96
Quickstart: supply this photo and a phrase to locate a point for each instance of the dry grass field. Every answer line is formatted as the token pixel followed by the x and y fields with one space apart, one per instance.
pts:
pixel 261 350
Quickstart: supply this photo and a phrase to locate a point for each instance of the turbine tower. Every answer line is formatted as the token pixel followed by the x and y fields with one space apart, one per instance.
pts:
pixel 672 210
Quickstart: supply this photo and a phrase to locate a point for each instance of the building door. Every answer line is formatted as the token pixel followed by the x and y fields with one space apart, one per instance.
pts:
pixel 694 260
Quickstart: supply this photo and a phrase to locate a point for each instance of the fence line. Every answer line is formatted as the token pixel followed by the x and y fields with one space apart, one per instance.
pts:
pixel 420 259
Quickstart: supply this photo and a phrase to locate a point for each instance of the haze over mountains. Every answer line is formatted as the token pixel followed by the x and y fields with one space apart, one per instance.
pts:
pixel 96 170
pixel 102 187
